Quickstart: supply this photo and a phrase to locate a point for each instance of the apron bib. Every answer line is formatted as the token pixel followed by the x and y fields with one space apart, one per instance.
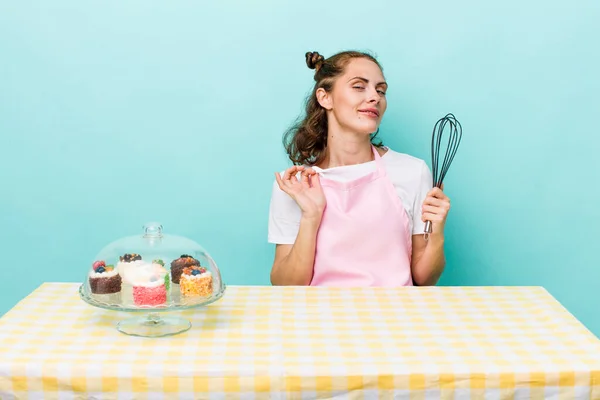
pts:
pixel 364 238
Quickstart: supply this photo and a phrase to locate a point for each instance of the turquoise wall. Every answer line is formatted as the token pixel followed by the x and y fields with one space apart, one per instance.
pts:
pixel 117 113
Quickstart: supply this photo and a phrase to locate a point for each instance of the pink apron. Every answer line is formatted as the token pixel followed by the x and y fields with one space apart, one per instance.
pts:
pixel 365 237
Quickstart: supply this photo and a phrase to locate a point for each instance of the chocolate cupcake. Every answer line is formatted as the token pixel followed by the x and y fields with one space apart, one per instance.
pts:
pixel 178 265
pixel 130 257
pixel 104 279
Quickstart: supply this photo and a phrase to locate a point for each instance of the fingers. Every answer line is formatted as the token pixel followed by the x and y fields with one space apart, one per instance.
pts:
pixel 310 178
pixel 289 181
pixel 289 177
pixel 291 172
pixel 438 209
pixel 437 193
pixel 435 210
pixel 279 180
pixel 305 179
pixel 438 199
pixel 433 217
pixel 432 201
pixel 430 209
pixel 315 180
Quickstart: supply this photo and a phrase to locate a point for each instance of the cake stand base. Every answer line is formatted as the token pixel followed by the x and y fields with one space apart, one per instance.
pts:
pixel 153 326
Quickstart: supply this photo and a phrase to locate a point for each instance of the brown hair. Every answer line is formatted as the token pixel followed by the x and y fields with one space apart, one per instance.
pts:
pixel 305 142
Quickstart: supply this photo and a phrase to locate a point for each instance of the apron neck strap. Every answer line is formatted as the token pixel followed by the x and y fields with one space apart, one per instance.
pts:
pixel 378 161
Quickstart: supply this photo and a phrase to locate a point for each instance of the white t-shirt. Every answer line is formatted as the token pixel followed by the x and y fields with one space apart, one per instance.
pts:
pixel 410 175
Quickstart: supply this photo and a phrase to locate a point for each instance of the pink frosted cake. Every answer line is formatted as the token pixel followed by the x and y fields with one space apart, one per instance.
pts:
pixel 150 284
pixel 149 295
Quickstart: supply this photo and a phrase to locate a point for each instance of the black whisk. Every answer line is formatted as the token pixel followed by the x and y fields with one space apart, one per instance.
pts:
pixel 439 171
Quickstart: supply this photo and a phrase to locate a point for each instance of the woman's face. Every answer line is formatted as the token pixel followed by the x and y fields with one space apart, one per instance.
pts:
pixel 357 101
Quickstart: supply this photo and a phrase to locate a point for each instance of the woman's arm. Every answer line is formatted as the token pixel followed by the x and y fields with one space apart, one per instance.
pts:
pixel 293 264
pixel 428 260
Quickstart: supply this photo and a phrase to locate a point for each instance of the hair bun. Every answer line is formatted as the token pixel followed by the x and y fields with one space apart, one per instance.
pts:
pixel 314 60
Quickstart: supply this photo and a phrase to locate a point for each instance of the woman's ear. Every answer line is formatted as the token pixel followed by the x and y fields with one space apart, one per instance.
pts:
pixel 324 98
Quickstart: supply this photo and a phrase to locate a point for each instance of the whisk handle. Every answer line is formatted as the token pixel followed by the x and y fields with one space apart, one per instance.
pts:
pixel 427 229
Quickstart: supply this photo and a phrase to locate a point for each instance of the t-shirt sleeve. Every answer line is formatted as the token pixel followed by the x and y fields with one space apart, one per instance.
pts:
pixel 425 184
pixel 284 217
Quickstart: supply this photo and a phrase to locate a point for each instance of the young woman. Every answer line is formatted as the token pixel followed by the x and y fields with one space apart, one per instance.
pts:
pixel 351 212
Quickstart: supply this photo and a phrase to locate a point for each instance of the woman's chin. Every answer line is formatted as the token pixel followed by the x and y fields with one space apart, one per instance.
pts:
pixel 367 129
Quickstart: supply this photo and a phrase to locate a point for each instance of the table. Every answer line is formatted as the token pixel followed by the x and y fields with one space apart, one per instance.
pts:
pixel 309 343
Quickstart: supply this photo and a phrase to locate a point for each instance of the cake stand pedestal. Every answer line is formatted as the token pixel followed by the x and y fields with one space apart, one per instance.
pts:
pixel 151 324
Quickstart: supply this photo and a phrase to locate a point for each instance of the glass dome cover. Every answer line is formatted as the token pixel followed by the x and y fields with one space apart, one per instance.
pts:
pixel 150 272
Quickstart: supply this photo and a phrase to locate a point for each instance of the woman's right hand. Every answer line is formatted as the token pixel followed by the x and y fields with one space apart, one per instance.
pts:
pixel 307 191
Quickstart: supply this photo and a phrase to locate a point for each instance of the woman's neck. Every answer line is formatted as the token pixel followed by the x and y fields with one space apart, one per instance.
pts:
pixel 344 148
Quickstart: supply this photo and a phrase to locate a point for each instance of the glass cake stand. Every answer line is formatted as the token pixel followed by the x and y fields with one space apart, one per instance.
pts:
pixel 152 273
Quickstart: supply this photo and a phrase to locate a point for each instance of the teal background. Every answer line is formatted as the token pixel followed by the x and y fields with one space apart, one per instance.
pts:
pixel 113 114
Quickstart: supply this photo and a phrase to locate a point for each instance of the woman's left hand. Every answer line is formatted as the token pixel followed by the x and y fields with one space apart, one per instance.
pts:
pixel 435 209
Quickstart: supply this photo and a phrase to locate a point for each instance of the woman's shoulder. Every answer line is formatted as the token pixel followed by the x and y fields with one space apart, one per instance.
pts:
pixel 408 173
pixel 404 160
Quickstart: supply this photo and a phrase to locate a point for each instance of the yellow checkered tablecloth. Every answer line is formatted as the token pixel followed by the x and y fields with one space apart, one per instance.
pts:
pixel 306 343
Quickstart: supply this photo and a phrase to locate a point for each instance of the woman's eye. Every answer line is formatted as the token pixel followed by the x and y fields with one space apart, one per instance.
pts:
pixel 381 92
pixel 358 87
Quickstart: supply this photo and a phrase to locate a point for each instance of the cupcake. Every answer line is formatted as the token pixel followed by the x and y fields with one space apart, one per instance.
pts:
pixel 196 281
pixel 164 270
pixel 150 282
pixel 104 279
pixel 127 262
pixel 130 257
pixel 178 265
